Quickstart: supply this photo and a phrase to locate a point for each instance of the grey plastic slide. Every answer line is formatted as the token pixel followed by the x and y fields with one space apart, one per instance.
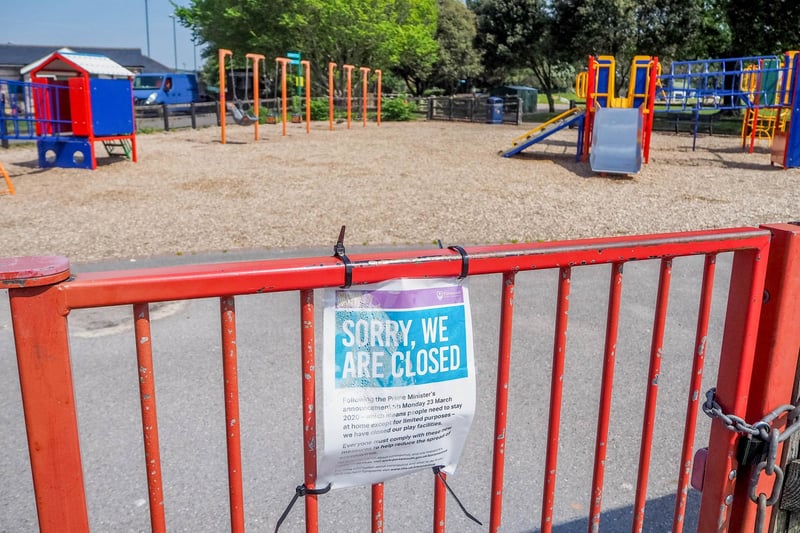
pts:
pixel 617 141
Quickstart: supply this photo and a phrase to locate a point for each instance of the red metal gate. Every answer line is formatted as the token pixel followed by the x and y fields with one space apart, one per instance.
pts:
pixel 758 357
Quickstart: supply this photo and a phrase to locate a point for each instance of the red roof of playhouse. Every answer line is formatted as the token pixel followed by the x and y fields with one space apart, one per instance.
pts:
pixel 67 63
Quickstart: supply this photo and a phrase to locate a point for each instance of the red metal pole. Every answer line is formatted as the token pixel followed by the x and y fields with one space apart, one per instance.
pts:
pixel 349 70
pixel 604 414
pixel 378 518
pixel 331 68
pixel 307 89
pixel 230 372
pixel 380 91
pixel 501 404
pixel 651 101
pixel 38 313
pixel 439 504
pixel 695 392
pixel 776 352
pixel 283 61
pixel 733 385
pixel 556 394
pixel 221 58
pixel 588 121
pixel 308 378
pixel 656 347
pixel 364 78
pixel 147 394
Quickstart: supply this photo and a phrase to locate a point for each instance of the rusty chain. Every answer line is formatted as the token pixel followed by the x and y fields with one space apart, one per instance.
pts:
pixel 770 436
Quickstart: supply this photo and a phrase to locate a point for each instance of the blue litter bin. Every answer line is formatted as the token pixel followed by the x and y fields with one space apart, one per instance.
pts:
pixel 494 111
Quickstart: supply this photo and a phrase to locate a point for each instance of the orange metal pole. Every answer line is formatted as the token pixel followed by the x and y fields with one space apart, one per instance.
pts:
pixel 380 75
pixel 283 62
pixel 588 121
pixel 349 70
pixel 256 98
pixel 331 68
pixel 364 75
pixel 307 89
pixel 222 53
pixel 39 314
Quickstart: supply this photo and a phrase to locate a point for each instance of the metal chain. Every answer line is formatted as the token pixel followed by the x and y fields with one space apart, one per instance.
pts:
pixel 764 431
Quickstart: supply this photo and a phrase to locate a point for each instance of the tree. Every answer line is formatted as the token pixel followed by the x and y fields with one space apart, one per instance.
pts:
pixel 458 58
pixel 517 34
pixel 760 27
pixel 386 34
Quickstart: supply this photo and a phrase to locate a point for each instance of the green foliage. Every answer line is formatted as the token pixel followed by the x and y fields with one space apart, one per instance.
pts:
pixel 397 109
pixel 319 109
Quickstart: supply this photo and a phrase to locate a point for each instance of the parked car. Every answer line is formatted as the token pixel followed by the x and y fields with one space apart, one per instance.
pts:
pixel 165 88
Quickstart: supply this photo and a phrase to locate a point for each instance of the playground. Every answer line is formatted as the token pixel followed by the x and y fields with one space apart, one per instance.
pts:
pixel 397 184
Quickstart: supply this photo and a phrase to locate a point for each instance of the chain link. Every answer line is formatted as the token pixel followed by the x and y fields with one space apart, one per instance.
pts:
pixel 764 431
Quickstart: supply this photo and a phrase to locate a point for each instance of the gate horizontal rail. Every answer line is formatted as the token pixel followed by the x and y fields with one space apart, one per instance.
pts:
pixel 43 294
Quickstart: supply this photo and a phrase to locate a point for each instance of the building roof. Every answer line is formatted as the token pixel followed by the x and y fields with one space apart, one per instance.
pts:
pixel 19 55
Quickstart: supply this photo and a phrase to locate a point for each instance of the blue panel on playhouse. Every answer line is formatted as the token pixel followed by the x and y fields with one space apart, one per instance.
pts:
pixel 72 153
pixel 112 107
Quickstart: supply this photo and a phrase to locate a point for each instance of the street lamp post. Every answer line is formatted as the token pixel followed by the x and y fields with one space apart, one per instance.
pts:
pixel 147 26
pixel 174 41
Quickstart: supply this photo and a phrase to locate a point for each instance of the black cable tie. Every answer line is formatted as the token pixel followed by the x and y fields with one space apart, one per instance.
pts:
pixel 339 253
pixel 464 260
pixel 437 471
pixel 300 490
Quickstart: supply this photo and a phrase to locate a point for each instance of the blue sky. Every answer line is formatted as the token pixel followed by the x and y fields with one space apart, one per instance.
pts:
pixel 103 23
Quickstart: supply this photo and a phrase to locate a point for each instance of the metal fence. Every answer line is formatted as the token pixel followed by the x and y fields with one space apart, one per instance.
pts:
pixel 473 109
pixel 44 292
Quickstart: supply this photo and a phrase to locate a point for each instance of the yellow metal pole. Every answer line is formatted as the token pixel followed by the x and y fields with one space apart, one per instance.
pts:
pixel 256 98
pixel 222 54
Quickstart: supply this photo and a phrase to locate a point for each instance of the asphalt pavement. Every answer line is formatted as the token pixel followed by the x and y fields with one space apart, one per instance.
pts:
pixel 186 343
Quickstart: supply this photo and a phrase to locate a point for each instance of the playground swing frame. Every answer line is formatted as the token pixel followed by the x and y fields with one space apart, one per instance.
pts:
pixel 240 114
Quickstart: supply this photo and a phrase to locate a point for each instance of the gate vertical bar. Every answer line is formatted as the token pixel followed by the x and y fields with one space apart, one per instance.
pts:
pixel 656 347
pixel 604 413
pixel 777 347
pixel 501 403
pixel 230 374
pixel 38 314
pixel 439 504
pixel 309 405
pixel 556 395
pixel 147 394
pixel 733 384
pixel 378 517
pixel 695 392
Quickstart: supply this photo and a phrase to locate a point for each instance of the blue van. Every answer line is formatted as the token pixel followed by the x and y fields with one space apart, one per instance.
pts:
pixel 165 88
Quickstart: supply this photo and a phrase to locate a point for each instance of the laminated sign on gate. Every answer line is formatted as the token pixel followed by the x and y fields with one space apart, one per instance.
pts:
pixel 398 380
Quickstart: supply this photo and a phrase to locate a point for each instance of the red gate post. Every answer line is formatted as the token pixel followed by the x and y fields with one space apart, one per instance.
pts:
pixel 775 365
pixel 45 379
pixel 733 385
